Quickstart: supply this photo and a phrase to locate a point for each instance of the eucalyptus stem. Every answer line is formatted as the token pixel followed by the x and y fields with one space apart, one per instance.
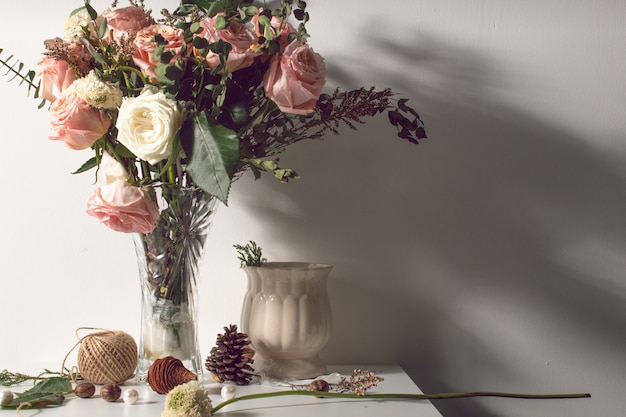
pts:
pixel 8 379
pixel 134 70
pixel 439 396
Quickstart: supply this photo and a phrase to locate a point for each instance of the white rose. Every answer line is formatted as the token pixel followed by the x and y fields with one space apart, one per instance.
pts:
pixel 147 125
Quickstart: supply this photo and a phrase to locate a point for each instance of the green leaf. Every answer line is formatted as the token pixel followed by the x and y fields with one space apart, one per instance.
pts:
pixel 92 12
pixel 45 393
pixel 195 28
pixel 220 22
pixel 102 30
pixel 218 6
pixel 54 385
pixel 36 400
pixel 91 163
pixel 212 154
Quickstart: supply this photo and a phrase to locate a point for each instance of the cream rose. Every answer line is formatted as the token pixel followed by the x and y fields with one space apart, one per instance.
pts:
pixel 148 123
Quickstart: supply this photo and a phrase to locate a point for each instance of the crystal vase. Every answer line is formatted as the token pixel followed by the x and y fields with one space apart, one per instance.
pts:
pixel 168 260
pixel 286 313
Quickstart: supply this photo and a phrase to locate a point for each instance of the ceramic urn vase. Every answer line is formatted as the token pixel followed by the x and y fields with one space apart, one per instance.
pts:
pixel 286 313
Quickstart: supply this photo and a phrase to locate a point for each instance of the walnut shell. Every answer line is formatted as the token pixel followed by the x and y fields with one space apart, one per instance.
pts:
pixel 168 372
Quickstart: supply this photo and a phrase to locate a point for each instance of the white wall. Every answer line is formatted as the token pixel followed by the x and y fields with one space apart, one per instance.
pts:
pixel 489 257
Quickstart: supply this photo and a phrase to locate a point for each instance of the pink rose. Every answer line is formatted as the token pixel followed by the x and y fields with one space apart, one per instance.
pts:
pixel 144 47
pixel 56 75
pixel 123 207
pixel 75 122
pixel 125 22
pixel 295 79
pixel 240 36
pixel 111 170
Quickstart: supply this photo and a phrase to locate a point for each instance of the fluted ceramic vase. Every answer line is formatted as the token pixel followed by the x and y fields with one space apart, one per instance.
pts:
pixel 286 313
pixel 168 260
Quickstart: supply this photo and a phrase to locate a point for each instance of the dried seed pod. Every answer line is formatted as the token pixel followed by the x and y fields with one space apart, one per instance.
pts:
pixel 110 392
pixel 85 390
pixel 166 373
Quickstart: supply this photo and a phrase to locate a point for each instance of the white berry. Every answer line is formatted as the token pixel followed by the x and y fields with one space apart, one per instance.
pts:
pixel 6 397
pixel 130 396
pixel 228 391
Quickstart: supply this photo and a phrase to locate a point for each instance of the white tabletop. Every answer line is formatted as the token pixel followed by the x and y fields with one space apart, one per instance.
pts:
pixel 150 404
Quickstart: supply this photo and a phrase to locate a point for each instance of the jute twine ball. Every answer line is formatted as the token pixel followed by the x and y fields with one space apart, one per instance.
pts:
pixel 107 357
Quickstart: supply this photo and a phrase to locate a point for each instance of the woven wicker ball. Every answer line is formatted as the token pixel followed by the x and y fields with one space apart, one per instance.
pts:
pixel 107 357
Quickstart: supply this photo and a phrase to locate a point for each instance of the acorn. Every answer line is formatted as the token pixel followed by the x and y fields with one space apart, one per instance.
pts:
pixel 168 372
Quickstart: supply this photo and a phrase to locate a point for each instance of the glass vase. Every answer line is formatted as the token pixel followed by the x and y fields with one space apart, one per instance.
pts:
pixel 168 260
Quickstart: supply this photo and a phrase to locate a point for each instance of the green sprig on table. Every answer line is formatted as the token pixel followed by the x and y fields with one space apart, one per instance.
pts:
pixel 49 392
pixel 439 396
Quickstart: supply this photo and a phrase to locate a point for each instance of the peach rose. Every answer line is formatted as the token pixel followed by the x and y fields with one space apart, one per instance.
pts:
pixel 145 45
pixel 56 75
pixel 123 207
pixel 126 21
pixel 75 122
pixel 120 205
pixel 295 79
pixel 240 36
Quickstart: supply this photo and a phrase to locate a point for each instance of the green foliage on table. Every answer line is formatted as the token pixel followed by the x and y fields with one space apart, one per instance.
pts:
pixel 46 393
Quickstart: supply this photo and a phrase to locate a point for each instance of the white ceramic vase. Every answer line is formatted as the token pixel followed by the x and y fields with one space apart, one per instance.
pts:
pixel 286 313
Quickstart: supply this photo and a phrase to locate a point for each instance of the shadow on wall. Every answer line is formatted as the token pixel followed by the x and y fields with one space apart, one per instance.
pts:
pixel 486 208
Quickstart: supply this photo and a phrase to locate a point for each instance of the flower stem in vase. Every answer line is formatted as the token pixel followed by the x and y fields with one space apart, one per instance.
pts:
pixel 168 259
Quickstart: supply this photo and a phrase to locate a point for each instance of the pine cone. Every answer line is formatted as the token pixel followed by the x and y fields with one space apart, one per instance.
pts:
pixel 231 358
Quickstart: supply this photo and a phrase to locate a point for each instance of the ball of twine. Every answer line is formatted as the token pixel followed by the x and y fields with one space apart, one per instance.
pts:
pixel 107 357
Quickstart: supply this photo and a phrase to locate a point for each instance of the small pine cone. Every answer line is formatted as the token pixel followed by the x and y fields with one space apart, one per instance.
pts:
pixel 231 357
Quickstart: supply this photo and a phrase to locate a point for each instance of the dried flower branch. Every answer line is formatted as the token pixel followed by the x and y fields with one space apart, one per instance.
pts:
pixel 359 382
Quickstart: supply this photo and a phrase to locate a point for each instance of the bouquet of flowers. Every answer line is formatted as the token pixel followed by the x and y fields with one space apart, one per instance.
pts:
pixel 174 109
pixel 194 97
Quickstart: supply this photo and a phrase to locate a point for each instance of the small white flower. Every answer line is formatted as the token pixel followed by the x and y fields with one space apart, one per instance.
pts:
pixel 148 123
pixel 98 93
pixel 76 25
